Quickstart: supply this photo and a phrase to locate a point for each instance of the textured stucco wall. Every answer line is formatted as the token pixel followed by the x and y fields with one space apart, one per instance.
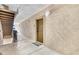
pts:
pixel 61 29
pixel 27 29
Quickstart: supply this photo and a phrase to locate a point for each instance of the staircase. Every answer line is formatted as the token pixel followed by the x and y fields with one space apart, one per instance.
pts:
pixel 6 18
pixel 6 24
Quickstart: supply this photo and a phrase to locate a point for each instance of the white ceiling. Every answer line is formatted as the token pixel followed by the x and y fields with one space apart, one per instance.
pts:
pixel 25 10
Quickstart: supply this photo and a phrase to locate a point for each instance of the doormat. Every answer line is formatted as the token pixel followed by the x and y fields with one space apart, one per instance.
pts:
pixel 37 43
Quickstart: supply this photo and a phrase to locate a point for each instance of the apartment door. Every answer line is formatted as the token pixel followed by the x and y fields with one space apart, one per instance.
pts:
pixel 39 23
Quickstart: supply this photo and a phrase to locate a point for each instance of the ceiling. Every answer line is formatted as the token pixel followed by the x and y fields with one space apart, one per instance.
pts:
pixel 24 10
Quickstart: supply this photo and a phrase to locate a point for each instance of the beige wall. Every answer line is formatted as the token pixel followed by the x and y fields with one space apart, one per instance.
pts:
pixel 61 29
pixel 27 28
pixel 1 34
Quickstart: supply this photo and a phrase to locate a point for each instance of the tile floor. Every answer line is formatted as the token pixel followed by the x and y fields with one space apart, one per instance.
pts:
pixel 25 47
pixel 7 40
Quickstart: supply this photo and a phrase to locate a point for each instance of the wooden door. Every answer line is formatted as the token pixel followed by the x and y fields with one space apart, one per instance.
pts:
pixel 39 24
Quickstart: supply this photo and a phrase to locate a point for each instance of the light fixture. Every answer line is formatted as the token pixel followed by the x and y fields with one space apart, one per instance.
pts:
pixel 47 13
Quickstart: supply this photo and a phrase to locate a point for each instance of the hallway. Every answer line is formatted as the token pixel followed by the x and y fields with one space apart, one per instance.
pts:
pixel 55 26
